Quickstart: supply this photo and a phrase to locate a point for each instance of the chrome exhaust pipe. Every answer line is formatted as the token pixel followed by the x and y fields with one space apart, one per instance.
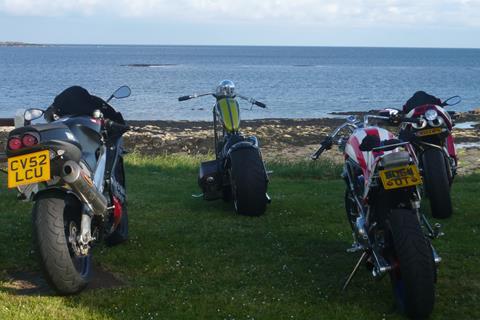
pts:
pixel 84 188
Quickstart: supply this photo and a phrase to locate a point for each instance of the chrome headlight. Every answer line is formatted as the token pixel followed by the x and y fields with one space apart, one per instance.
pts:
pixel 437 122
pixel 423 124
pixel 431 115
pixel 225 88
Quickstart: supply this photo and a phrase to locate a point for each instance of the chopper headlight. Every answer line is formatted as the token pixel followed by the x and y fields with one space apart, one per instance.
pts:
pixel 431 115
pixel 225 88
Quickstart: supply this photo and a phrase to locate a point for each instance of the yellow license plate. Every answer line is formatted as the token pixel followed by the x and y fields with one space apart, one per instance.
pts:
pixel 429 132
pixel 29 168
pixel 400 177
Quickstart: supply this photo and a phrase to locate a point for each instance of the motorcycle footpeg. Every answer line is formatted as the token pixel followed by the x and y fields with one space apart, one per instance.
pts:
pixel 196 196
pixel 437 230
pixel 356 247
pixel 269 200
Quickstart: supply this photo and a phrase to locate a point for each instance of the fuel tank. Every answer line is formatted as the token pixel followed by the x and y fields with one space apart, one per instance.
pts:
pixel 87 131
pixel 228 111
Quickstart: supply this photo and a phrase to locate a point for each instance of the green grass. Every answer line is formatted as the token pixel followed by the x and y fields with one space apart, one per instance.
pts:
pixel 192 259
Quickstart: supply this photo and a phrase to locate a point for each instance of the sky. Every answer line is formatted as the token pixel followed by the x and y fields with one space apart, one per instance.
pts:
pixel 388 23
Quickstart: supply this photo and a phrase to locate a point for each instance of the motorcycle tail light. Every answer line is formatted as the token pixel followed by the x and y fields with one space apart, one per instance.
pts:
pixel 29 140
pixel 15 143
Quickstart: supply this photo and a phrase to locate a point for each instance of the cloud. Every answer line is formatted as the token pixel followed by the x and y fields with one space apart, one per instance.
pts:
pixel 319 12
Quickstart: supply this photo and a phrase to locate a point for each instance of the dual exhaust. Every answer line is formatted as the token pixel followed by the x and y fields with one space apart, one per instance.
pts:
pixel 84 188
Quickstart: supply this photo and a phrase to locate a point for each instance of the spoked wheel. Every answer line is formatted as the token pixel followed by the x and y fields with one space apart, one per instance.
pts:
pixel 56 220
pixel 413 274
pixel 248 181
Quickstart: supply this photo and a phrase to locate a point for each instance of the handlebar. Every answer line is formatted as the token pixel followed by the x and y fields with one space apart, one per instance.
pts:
pixel 260 104
pixel 116 127
pixel 184 98
pixel 251 100
pixel 395 119
pixel 324 145
pixel 410 120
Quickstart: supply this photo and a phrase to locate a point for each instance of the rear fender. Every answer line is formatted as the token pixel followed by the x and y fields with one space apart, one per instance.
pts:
pixel 250 142
pixel 55 192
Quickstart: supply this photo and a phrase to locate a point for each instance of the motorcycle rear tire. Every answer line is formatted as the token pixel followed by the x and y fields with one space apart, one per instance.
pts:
pixel 53 215
pixel 413 279
pixel 248 182
pixel 437 183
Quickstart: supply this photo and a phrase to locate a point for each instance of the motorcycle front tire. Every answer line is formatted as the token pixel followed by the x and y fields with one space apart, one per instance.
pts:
pixel 437 183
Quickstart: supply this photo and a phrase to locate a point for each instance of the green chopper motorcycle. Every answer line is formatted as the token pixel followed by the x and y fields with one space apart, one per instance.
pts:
pixel 238 172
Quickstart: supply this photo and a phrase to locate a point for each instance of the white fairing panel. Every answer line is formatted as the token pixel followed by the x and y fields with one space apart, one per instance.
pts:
pixel 365 160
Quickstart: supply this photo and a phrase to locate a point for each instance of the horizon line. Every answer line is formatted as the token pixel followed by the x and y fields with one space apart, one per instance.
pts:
pixel 20 43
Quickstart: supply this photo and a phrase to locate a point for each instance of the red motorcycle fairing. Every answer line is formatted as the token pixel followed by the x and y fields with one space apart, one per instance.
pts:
pixel 450 142
pixel 452 151
pixel 420 111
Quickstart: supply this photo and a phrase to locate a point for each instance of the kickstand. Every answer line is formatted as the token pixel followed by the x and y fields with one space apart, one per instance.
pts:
pixel 354 271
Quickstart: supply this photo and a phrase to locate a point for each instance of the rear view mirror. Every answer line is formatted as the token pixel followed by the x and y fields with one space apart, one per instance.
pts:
pixel 388 112
pixel 122 92
pixel 351 119
pixel 452 101
pixel 32 114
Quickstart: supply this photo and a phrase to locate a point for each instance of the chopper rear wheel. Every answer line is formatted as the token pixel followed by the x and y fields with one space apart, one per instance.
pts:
pixel 248 182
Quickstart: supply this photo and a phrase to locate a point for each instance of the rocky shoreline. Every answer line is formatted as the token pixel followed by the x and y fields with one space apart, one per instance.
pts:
pixel 281 139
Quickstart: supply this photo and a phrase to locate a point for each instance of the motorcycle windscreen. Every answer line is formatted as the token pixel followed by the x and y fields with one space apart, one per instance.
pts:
pixel 229 112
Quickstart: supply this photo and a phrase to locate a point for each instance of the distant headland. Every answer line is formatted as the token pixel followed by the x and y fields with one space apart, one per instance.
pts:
pixel 18 44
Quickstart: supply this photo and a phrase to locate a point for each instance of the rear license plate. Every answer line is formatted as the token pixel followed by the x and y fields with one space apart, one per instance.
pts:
pixel 401 177
pixel 29 168
pixel 429 132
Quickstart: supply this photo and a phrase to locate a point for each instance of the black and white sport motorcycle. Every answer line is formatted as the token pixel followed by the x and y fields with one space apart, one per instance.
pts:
pixel 72 169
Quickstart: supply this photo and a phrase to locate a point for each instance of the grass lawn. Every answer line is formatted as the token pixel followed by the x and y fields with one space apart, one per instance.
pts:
pixel 192 259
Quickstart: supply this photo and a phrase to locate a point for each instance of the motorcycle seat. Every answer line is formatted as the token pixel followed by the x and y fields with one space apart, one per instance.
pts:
pixel 395 159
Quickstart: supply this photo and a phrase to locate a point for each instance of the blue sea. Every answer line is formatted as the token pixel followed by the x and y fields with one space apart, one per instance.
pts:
pixel 295 82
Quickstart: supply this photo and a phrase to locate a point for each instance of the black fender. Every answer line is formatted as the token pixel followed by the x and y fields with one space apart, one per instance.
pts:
pixel 55 191
pixel 248 143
